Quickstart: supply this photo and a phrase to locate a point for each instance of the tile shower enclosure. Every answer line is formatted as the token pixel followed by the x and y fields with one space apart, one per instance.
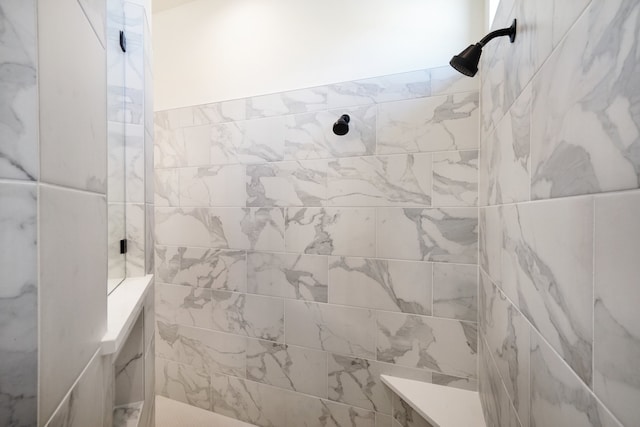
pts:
pixel 293 266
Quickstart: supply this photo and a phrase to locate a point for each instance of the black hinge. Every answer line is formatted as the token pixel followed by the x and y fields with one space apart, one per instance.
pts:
pixel 123 41
pixel 123 246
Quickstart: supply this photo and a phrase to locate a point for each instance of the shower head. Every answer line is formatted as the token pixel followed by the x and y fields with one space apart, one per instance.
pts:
pixel 467 61
pixel 341 127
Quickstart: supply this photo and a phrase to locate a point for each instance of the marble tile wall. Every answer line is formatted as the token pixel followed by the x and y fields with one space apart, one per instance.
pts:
pixel 559 205
pixel 294 266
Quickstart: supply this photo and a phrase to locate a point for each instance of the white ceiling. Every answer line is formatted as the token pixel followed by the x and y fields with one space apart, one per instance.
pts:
pixel 160 5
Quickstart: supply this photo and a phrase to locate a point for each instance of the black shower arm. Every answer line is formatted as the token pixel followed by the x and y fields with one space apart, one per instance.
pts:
pixel 511 32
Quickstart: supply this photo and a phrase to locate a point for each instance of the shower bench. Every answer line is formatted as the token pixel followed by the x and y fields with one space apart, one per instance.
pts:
pixel 440 405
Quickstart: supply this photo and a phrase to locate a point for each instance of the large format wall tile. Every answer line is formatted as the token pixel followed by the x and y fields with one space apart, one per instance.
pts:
pixel 438 123
pixel 617 291
pixel 183 383
pixel 251 315
pixel 441 345
pixel 18 304
pixel 296 276
pixel 302 183
pixel 285 103
pixel 212 186
pixel 403 180
pixel 73 140
pixel 19 97
pixel 331 231
pixel 285 366
pixel 547 271
pixel 584 127
pixel 445 234
pixel 455 179
pixel 76 222
pixel 380 284
pixel 331 328
pixel 183 305
pixel 201 267
pixel 304 410
pixel 455 291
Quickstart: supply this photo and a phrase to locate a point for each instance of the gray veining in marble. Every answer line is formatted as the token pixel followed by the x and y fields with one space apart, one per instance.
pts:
pixel 250 315
pixel 380 284
pixel 302 183
pixel 406 416
pixel 455 291
pixel 455 179
pixel 212 186
pixel 183 383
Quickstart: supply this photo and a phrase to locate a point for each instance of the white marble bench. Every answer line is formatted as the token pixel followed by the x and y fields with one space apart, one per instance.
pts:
pixel 439 405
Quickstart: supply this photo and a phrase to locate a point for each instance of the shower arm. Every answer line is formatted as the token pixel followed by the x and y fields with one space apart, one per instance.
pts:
pixel 511 32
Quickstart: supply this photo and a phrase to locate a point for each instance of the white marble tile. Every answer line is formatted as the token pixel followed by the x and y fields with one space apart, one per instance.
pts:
pixel 183 383
pixel 558 397
pixel 73 140
pixel 338 329
pixel 381 284
pixel 136 239
pixel 301 183
pixel 470 384
pixel 490 243
pixel 437 234
pixel 445 80
pixel 82 406
pixel 289 367
pixel 455 179
pixel 357 381
pixel 249 401
pixel 18 304
pixel 212 186
pixel 505 161
pixel 296 276
pixel 134 163
pixel 263 140
pixel 198 145
pixel 201 349
pixel 285 103
pixel 234 228
pixel 392 87
pixel 383 420
pixel 202 268
pixel 310 135
pixel 584 132
pixel 73 254
pixel 438 123
pixel 617 335
pixel 455 291
pixel 19 97
pixel 403 180
pixel 330 231
pixel 183 305
pixel 224 139
pixel 129 367
pixel 169 145
pixel 405 415
pixel 441 345
pixel 220 112
pixel 507 337
pixel 175 118
pixel 150 239
pixel 306 411
pixel 250 315
pixel 547 271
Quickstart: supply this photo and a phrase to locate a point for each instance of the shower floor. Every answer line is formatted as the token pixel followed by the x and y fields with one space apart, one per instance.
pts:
pixel 170 413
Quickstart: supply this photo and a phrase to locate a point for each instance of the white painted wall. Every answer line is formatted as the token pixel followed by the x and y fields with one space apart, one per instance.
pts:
pixel 212 50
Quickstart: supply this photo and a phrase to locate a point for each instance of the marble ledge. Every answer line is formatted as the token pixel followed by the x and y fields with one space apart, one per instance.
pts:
pixel 440 405
pixel 124 305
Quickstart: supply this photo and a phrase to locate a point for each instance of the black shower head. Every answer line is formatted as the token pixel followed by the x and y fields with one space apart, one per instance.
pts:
pixel 467 61
pixel 341 127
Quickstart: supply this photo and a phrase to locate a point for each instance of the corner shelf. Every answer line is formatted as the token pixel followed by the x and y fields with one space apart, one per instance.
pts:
pixel 440 405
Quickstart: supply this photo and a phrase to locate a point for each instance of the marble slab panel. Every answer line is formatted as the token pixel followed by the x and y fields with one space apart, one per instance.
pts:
pixel 403 180
pixel 202 268
pixel 310 136
pixel 249 315
pixel 357 382
pixel 296 276
pixel 616 344
pixel 18 304
pixel 301 183
pixel 455 291
pixel 584 134
pixel 381 284
pixel 19 97
pixel 202 349
pixel 439 123
pixel 444 234
pixel 441 345
pixel 333 328
pixel 183 383
pixel 330 231
pixel 289 367
pixel 221 185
